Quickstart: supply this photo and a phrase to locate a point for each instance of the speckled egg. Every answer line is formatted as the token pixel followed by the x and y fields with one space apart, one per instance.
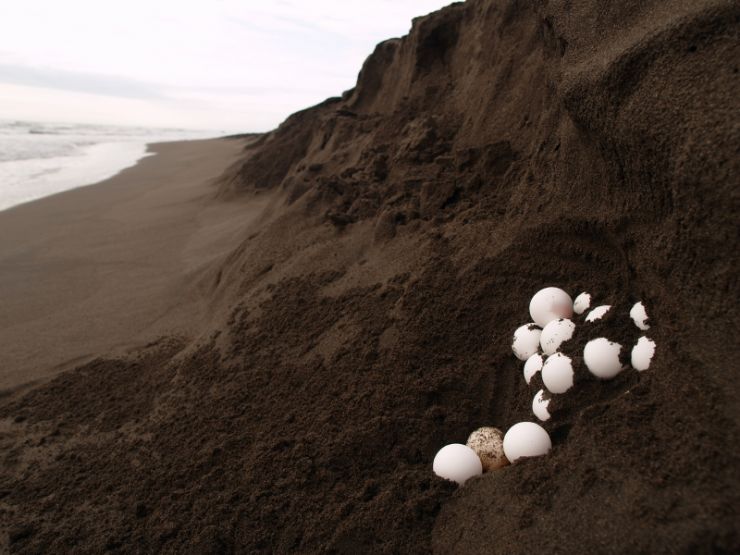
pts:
pixel 488 443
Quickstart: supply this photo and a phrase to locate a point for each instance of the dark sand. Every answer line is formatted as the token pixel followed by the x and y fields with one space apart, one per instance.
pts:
pixel 365 318
pixel 115 265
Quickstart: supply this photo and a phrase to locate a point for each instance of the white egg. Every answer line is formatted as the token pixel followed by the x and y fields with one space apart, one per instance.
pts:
pixel 457 462
pixel 488 444
pixel 642 353
pixel 582 302
pixel 598 313
pixel 539 406
pixel 639 316
pixel 532 366
pixel 557 373
pixel 601 357
pixel 555 333
pixel 549 304
pixel 526 439
pixel 526 341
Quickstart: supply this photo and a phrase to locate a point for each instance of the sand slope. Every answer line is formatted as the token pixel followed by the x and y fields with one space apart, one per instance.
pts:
pixel 113 265
pixel 366 321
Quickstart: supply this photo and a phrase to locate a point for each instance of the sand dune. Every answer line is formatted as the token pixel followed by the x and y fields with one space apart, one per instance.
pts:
pixel 361 270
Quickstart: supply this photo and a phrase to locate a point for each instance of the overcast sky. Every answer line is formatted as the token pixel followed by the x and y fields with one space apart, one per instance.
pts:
pixel 213 64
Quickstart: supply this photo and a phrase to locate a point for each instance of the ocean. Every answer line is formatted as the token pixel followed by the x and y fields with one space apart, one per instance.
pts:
pixel 41 159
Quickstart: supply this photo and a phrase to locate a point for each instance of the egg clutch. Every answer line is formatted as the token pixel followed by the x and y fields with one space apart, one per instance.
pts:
pixel 542 345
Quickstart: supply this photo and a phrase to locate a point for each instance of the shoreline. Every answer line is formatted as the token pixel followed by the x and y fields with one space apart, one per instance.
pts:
pixel 105 266
pixel 102 161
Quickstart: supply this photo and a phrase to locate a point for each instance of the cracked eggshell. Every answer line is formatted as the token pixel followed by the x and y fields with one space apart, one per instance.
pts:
pixel 549 304
pixel 539 406
pixel 642 354
pixel 526 341
pixel 557 373
pixel 582 303
pixel 532 366
pixel 601 357
pixel 488 444
pixel 639 316
pixel 598 312
pixel 457 462
pixel 556 333
pixel 526 439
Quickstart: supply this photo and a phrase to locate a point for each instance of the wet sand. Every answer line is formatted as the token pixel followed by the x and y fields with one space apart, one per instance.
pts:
pixel 111 266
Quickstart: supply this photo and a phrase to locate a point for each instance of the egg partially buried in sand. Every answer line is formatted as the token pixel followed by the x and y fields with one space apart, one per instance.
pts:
pixel 639 316
pixel 532 366
pixel 582 303
pixel 457 462
pixel 539 406
pixel 550 303
pixel 526 439
pixel 488 443
pixel 526 341
pixel 556 333
pixel 601 357
pixel 598 313
pixel 642 354
pixel 557 373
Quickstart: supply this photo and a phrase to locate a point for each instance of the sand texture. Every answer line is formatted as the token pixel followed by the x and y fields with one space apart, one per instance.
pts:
pixel 113 266
pixel 357 282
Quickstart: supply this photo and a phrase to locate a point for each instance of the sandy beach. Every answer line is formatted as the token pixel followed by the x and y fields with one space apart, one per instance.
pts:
pixel 262 348
pixel 106 267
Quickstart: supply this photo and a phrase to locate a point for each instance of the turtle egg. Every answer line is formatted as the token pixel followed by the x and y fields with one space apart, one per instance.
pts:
pixel 639 316
pixel 642 353
pixel 488 444
pixel 526 341
pixel 555 333
pixel 598 313
pixel 532 366
pixel 526 439
pixel 557 373
pixel 457 462
pixel 602 358
pixel 539 406
pixel 582 302
pixel 549 304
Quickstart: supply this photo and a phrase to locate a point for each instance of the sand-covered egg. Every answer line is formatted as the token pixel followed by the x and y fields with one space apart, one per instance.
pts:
pixel 598 313
pixel 532 366
pixel 555 333
pixel 639 316
pixel 540 404
pixel 550 303
pixel 582 303
pixel 457 462
pixel 526 439
pixel 488 444
pixel 557 373
pixel 642 353
pixel 526 341
pixel 601 357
